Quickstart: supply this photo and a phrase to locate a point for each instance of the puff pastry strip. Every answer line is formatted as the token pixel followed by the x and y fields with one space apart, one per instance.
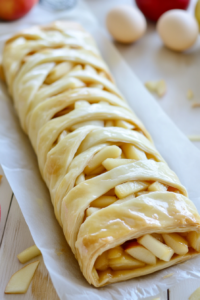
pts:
pixel 123 211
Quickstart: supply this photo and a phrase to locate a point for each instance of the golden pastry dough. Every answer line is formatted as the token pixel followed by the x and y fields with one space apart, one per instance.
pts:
pixel 112 192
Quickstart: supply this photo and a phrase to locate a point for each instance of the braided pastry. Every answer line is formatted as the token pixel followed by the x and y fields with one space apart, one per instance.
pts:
pixel 123 211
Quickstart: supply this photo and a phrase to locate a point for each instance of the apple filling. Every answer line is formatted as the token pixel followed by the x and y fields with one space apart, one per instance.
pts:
pixel 147 250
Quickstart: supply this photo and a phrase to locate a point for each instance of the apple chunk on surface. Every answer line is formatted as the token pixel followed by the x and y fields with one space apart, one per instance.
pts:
pixel 20 281
pixel 28 254
pixel 159 249
pixel 139 252
pixel 176 242
pixel 125 262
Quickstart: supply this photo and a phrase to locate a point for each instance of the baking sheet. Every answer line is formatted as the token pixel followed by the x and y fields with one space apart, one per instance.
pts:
pixel 20 166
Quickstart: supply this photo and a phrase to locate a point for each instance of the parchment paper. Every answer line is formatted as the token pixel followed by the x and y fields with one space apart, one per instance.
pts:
pixel 20 166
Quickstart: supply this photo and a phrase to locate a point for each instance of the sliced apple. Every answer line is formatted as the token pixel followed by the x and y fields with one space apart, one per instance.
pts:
pixel 159 249
pixel 98 123
pixel 139 252
pixel 115 252
pixel 20 281
pixel 104 276
pixel 125 262
pixel 110 193
pixel 103 201
pixel 141 193
pixel 158 237
pixel 111 163
pixel 106 152
pixel 176 242
pixel 124 124
pixel 97 86
pixel 59 71
pixel 109 123
pixel 28 254
pixel 125 189
pixel 62 135
pixel 132 152
pixel 194 240
pixel 195 295
pixel 81 103
pixel 90 69
pixel 80 179
pixel 159 87
pixel 90 211
pixel 101 263
pixel 157 186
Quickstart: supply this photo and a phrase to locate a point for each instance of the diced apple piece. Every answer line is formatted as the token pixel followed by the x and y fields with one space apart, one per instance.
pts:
pixel 97 86
pixel 159 249
pixel 59 71
pixel 28 254
pixel 124 156
pixel 132 152
pixel 124 124
pixel 103 201
pixel 98 123
pixel 158 237
pixel 139 252
pixel 20 281
pixel 62 135
pixel 99 170
pixel 115 252
pixel 195 295
pixel 157 186
pixel 81 103
pixel 194 240
pixel 110 193
pixel 127 188
pixel 90 69
pixel 102 74
pixel 80 179
pixel 176 242
pixel 125 262
pixel 107 152
pixel 101 263
pixel 109 123
pixel 91 210
pixel 111 163
pixel 76 68
pixel 141 193
pixel 159 87
pixel 104 276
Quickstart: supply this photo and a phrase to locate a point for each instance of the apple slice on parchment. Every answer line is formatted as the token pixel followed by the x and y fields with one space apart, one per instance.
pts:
pixel 28 254
pixel 20 281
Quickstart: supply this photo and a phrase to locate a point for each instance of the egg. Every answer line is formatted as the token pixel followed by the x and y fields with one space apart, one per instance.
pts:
pixel 177 29
pixel 126 24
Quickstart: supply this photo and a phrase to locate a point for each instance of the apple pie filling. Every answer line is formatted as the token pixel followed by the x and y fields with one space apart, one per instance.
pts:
pixel 147 250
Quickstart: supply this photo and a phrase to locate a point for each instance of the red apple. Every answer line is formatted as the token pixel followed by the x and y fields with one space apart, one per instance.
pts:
pixel 153 9
pixel 14 9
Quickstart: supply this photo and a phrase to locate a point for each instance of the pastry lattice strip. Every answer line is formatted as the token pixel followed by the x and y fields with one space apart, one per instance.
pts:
pixel 113 194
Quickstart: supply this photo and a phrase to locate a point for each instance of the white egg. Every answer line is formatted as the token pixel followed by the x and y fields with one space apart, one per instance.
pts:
pixel 177 29
pixel 126 24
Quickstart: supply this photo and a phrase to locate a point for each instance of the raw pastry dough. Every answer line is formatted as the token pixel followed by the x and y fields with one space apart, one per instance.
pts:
pixel 109 185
